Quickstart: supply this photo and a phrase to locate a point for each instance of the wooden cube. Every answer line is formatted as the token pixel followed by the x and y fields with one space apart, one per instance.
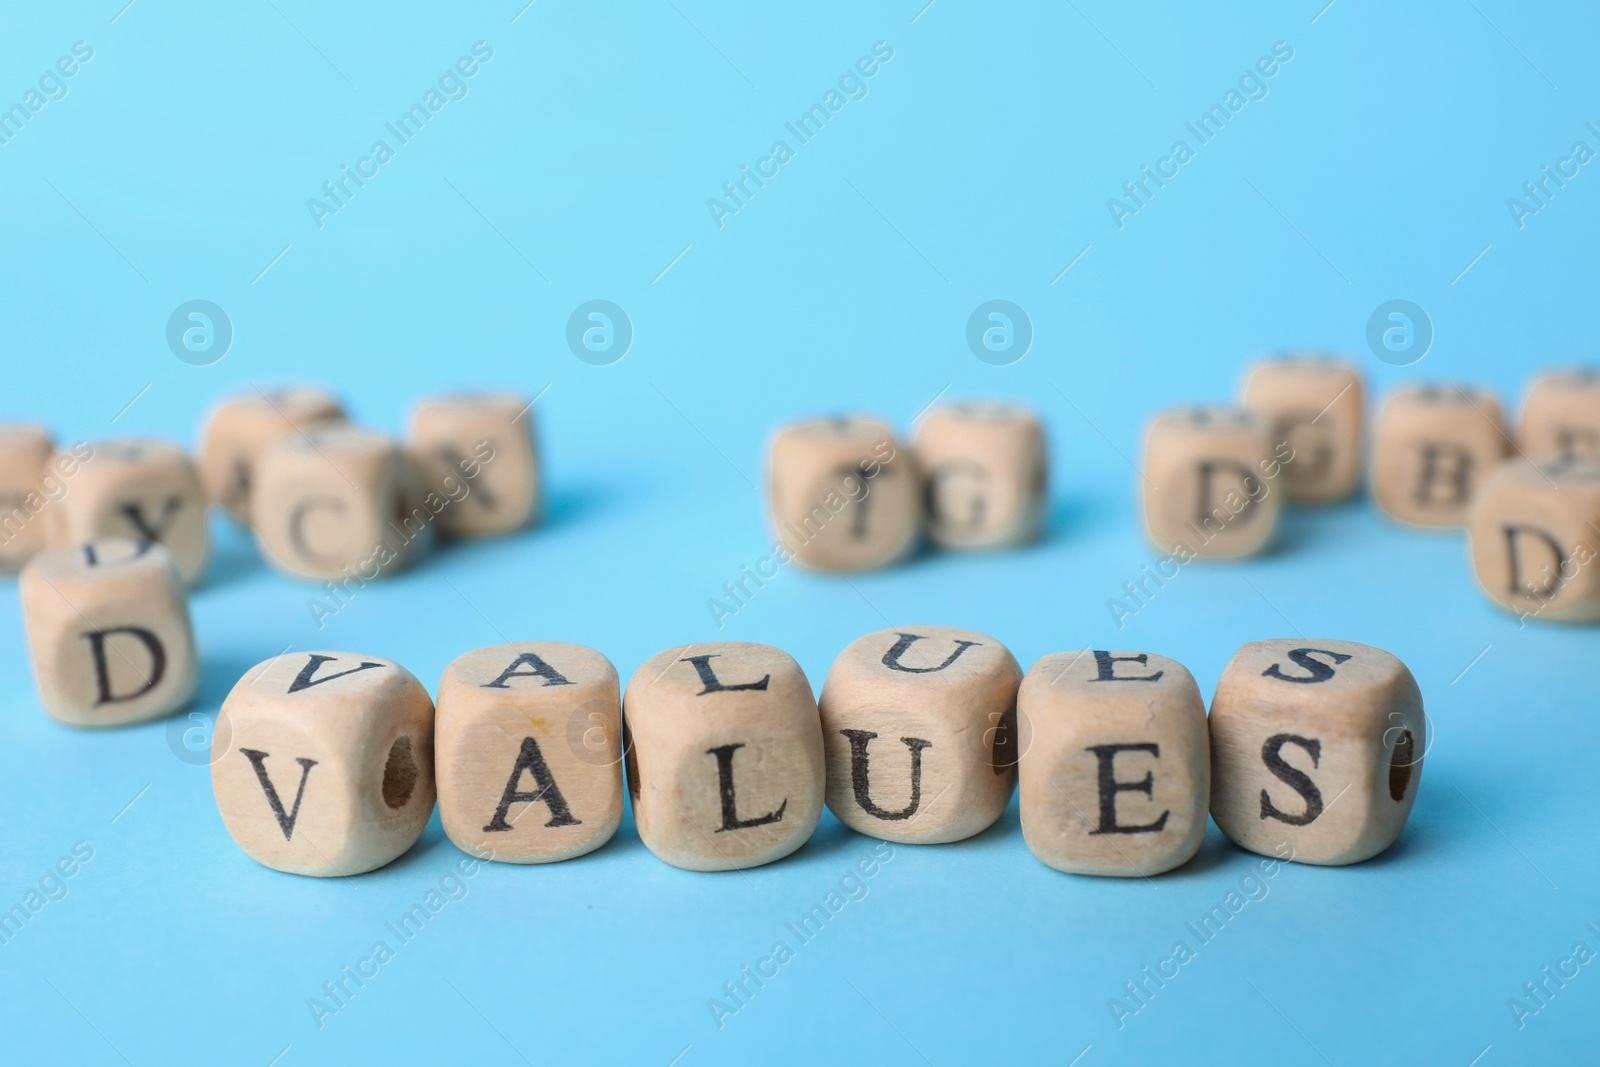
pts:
pixel 1534 531
pixel 1316 749
pixel 322 762
pixel 919 727
pixel 843 494
pixel 1115 775
pixel 529 751
pixel 1561 416
pixel 724 755
pixel 141 489
pixel 109 632
pixel 1315 405
pixel 240 428
pixel 1434 445
pixel 477 450
pixel 335 502
pixel 985 472
pixel 25 455
pixel 1209 482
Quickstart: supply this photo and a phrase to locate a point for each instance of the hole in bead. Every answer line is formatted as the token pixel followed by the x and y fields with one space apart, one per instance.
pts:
pixel 1400 766
pixel 399 774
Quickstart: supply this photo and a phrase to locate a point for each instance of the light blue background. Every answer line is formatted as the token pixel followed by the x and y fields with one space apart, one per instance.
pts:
pixel 1378 167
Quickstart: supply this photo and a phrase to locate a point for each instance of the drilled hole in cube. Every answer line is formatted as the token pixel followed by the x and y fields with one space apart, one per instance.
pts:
pixel 630 761
pixel 1400 766
pixel 399 774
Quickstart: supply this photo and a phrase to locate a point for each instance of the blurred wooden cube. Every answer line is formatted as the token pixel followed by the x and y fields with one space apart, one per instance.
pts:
pixel 109 632
pixel 1561 416
pixel 337 501
pixel 1115 775
pixel 843 494
pixel 25 454
pixel 1534 531
pixel 919 728
pixel 1210 482
pixel 138 488
pixel 1315 404
pixel 528 746
pixel 1316 749
pixel 477 451
pixel 725 766
pixel 322 762
pixel 1434 445
pixel 986 471
pixel 239 428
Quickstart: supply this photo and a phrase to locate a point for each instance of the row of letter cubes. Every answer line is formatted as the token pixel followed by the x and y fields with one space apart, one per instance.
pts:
pixel 325 763
pixel 843 494
pixel 325 499
pixel 1215 478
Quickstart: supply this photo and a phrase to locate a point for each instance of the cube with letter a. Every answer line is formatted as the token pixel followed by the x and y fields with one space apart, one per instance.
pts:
pixel 1316 749
pixel 919 727
pixel 322 762
pixel 724 755
pixel 528 750
pixel 1115 773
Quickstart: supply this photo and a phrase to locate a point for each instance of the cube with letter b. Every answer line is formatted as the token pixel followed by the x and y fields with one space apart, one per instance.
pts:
pixel 108 627
pixel 724 755
pixel 1316 749
pixel 1534 531
pixel 919 728
pixel 528 750
pixel 1209 482
pixel 322 762
pixel 1433 446
pixel 1115 773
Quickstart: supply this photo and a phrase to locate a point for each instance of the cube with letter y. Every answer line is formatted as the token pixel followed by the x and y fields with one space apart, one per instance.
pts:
pixel 725 764
pixel 528 749
pixel 322 762
pixel 1316 749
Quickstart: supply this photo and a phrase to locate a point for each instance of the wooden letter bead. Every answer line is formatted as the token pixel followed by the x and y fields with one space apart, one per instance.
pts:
pixel 140 489
pixel 1433 447
pixel 322 762
pixel 241 427
pixel 919 727
pixel 985 471
pixel 1316 749
pixel 477 451
pixel 1210 482
pixel 333 501
pixel 25 453
pixel 725 765
pixel 1316 406
pixel 843 494
pixel 1116 764
pixel 1535 537
pixel 1561 416
pixel 108 629
pixel 529 752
